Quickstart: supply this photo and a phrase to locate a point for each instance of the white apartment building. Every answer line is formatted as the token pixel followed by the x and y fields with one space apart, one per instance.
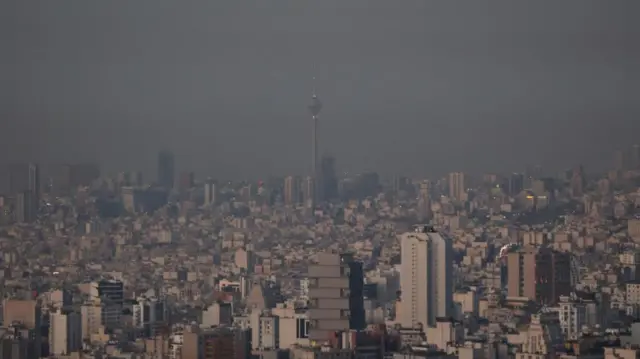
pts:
pixel 573 316
pixel 425 278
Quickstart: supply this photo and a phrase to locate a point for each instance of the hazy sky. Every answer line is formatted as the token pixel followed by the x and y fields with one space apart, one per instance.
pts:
pixel 408 86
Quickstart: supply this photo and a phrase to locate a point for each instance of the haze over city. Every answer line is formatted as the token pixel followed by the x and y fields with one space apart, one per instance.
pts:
pixel 411 87
pixel 320 179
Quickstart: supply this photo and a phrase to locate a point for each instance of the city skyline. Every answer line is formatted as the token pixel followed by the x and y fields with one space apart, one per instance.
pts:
pixel 472 191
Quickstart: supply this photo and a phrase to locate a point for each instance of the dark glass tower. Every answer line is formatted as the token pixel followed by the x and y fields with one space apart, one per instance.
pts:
pixel 329 180
pixel 111 294
pixel 166 169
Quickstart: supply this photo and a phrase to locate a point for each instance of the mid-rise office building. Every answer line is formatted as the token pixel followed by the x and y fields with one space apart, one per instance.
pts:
pixel 111 295
pixel 215 343
pixel 540 274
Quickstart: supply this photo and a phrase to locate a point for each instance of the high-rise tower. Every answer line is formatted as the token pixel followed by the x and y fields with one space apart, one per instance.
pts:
pixel 314 108
pixel 426 278
pixel 336 299
pixel 166 169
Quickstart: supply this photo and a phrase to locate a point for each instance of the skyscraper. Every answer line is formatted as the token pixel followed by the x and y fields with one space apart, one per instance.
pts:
pixel 210 192
pixel 34 181
pixel 336 298
pixel 26 209
pixel 329 180
pixel 65 332
pixel 23 177
pixel 291 190
pixel 308 188
pixel 426 278
pixel 166 169
pixel 111 294
pixel 314 108
pixel 515 184
pixel 457 189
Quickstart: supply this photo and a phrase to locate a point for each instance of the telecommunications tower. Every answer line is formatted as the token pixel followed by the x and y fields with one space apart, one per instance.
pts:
pixel 314 109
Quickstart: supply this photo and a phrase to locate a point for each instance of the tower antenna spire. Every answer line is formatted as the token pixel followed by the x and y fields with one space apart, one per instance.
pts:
pixel 313 80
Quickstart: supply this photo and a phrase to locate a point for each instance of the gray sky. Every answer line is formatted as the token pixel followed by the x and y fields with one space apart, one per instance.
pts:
pixel 415 87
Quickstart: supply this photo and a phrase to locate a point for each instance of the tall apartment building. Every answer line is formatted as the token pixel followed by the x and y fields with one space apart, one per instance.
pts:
pixel 111 295
pixel 457 186
pixel 166 169
pixel 210 192
pixel 573 316
pixel 328 178
pixel 540 274
pixel 148 313
pixel 91 319
pixel 65 332
pixel 336 301
pixel 309 192
pixel 291 191
pixel 426 278
pixel 26 207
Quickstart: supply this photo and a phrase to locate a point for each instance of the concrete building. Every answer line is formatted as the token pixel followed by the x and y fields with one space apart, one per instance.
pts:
pixel 26 208
pixel 219 343
pixel 457 186
pixel 292 325
pixel 336 296
pixel 91 319
pixel 65 332
pixel 26 312
pixel 210 193
pixel 26 317
pixel 111 295
pixel 573 316
pixel 540 274
pixel 425 278
pixel 148 313
pixel 291 191
pixel 217 314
